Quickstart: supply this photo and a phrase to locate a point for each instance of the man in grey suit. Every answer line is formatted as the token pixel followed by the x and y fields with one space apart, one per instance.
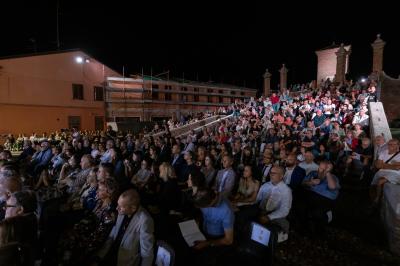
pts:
pixel 131 240
pixel 226 177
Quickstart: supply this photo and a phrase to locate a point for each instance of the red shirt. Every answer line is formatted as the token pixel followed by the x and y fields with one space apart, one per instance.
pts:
pixel 275 99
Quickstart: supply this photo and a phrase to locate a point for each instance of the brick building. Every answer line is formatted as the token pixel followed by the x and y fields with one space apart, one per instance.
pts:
pixel 145 98
pixel 327 62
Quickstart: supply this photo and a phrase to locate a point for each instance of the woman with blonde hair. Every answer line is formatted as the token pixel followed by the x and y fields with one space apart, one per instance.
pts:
pixel 169 194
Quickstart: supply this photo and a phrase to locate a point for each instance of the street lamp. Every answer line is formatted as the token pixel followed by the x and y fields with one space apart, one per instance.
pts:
pixel 79 59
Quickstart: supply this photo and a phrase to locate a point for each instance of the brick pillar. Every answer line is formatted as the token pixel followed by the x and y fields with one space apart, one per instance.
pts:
pixel 341 56
pixel 283 80
pixel 377 63
pixel 267 83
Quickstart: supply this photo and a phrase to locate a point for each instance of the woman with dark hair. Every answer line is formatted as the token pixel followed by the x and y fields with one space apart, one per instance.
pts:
pixel 288 140
pixel 209 171
pixel 248 188
pixel 90 233
pixel 201 156
pixel 132 165
pixel 153 154
pixel 195 182
pixel 322 153
pixel 69 169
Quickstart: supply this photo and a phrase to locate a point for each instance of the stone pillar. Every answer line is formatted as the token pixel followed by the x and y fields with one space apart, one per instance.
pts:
pixel 341 56
pixel 377 63
pixel 267 83
pixel 283 80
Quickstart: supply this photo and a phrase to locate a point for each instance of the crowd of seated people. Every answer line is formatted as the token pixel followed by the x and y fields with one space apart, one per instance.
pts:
pixel 103 198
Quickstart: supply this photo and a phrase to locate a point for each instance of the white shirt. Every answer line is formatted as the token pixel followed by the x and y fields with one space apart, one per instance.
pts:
pixel 329 108
pixel 379 150
pixel 384 156
pixel 276 199
pixel 106 157
pixel 288 175
pixel 362 120
pixel 309 167
pixel 265 172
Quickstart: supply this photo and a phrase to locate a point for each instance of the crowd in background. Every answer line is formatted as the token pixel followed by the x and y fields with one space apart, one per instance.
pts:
pixel 81 197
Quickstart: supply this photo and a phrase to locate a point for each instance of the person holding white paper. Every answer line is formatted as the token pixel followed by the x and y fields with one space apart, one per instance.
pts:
pixel 218 219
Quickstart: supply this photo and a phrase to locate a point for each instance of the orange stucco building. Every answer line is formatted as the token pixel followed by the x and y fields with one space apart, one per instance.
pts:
pixel 48 92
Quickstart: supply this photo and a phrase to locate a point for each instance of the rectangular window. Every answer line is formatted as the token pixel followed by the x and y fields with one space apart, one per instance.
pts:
pixel 210 90
pixel 74 122
pixel 98 93
pixel 242 93
pixel 221 92
pixel 183 96
pixel 220 99
pixel 154 94
pixel 196 94
pixel 127 119
pixel 168 95
pixel 233 92
pixel 98 123
pixel 77 91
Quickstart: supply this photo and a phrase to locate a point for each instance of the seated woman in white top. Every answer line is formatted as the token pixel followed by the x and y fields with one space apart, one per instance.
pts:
pixel 248 188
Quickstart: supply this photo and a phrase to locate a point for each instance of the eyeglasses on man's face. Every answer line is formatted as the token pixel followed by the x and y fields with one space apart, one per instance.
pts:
pixel 5 207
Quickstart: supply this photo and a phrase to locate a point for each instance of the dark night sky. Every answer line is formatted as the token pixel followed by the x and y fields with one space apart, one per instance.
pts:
pixel 231 44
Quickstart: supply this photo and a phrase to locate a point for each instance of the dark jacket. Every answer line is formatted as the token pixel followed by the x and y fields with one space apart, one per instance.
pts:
pixel 297 177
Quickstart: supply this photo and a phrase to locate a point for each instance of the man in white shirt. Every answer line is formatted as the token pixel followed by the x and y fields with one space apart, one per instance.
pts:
pixel 274 197
pixel 308 163
pixel 106 157
pixel 361 118
pixel 388 164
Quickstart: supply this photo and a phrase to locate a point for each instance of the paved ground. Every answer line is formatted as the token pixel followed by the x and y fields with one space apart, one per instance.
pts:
pixel 355 237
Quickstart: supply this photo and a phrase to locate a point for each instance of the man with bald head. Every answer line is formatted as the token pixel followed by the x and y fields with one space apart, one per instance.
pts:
pixel 273 203
pixel 274 197
pixel 294 174
pixel 10 182
pixel 131 240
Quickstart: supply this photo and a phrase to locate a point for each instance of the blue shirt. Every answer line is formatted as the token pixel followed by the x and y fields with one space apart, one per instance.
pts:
pixel 322 188
pixel 218 219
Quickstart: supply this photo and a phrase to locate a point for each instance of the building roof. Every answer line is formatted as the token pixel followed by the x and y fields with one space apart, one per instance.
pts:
pixel 145 77
pixel 56 52
pixel 332 46
pixel 193 83
pixel 42 53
